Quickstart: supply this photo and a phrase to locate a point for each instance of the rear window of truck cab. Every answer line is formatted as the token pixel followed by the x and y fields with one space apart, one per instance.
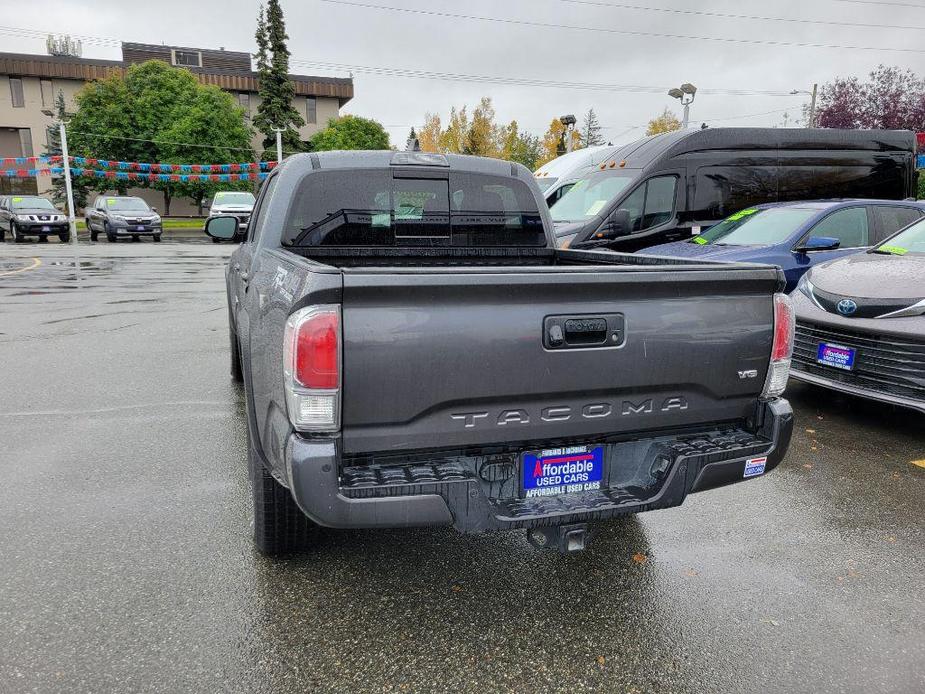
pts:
pixel 377 208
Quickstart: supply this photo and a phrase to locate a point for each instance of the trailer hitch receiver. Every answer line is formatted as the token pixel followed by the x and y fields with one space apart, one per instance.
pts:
pixel 567 539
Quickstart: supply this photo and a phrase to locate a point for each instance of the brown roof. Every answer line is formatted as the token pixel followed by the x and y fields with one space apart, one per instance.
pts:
pixel 228 78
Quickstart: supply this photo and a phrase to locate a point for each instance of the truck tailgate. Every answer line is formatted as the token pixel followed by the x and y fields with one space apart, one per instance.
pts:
pixel 458 357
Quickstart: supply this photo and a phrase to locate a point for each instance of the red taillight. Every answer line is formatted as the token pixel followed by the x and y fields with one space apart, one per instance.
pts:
pixel 783 328
pixel 781 349
pixel 316 352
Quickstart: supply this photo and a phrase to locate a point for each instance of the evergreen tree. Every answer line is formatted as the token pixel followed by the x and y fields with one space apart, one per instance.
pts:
pixel 276 90
pixel 80 186
pixel 413 144
pixel 591 130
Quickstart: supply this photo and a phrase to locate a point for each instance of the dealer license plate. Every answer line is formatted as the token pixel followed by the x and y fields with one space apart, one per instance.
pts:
pixel 140 227
pixel 836 356
pixel 562 471
pixel 44 228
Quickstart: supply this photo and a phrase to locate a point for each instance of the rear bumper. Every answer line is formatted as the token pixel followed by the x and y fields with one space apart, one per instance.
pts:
pixel 446 490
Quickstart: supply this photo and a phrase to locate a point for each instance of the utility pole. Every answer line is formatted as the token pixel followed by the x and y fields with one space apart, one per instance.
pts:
pixel 812 107
pixel 279 145
pixel 66 161
pixel 811 120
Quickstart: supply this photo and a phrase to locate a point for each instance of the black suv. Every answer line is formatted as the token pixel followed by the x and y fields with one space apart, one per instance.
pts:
pixel 31 215
pixel 118 216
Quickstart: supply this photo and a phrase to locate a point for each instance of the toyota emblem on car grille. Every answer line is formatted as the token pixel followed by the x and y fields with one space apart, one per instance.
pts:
pixel 846 307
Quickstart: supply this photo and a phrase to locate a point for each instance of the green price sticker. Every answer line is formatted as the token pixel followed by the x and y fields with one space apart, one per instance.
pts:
pixel 699 240
pixel 895 250
pixel 739 215
pixel 17 199
pixel 110 202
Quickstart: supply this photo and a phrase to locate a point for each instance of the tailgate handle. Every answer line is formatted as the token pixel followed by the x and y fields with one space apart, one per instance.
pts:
pixel 583 332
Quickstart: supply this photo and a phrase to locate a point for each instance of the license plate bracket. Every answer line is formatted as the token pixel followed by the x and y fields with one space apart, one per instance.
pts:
pixel 836 356
pixel 567 470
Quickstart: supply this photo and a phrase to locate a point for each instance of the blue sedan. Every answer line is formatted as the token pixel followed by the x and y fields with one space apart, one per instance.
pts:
pixel 797 235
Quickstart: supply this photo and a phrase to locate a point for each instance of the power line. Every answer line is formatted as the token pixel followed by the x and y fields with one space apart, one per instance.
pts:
pixel 522 81
pixel 874 2
pixel 450 76
pixel 623 32
pixel 730 15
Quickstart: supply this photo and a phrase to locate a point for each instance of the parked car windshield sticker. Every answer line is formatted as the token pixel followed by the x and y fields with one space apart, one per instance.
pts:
pixel 739 215
pixel 895 250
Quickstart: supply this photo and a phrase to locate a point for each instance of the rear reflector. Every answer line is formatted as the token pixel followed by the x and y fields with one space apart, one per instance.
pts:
pixel 781 349
pixel 311 368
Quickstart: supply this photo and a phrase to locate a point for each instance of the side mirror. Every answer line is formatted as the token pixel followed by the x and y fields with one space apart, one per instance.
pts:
pixel 153 209
pixel 818 243
pixel 222 228
pixel 619 224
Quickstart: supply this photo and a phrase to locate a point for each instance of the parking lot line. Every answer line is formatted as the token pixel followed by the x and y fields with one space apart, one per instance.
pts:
pixel 35 263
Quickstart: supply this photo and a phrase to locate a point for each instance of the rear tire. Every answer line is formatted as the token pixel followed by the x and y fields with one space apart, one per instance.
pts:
pixel 2 235
pixel 280 527
pixel 214 240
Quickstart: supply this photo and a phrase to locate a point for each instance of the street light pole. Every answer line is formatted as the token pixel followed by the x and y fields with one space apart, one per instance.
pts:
pixel 569 122
pixel 72 223
pixel 279 145
pixel 685 93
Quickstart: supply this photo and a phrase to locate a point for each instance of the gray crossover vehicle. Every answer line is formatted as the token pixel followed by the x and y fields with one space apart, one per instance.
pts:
pixel 861 322
pixel 122 217
pixel 415 350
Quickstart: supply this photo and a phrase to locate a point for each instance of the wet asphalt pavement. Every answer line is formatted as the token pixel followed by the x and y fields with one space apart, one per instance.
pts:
pixel 126 562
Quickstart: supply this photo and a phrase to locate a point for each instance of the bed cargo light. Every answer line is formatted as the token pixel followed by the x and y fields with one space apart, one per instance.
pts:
pixel 311 367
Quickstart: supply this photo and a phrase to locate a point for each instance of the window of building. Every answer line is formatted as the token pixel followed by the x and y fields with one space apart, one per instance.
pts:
pixel 187 58
pixel 311 110
pixel 244 101
pixel 25 142
pixel 16 93
pixel 48 94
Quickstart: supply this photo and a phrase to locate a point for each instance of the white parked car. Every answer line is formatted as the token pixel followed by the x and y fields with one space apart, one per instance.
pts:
pixel 235 203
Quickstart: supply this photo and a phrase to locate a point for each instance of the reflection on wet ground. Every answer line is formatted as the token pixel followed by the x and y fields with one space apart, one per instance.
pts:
pixel 127 563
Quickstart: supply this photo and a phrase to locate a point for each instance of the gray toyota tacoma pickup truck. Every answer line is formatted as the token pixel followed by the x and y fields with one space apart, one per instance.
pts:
pixel 415 351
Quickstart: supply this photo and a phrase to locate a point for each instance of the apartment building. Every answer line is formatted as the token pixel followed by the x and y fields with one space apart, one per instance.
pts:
pixel 30 83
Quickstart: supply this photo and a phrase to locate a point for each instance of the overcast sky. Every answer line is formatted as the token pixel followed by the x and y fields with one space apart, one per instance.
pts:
pixel 383 39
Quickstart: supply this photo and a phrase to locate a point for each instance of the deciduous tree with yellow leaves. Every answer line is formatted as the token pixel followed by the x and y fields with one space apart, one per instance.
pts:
pixel 665 123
